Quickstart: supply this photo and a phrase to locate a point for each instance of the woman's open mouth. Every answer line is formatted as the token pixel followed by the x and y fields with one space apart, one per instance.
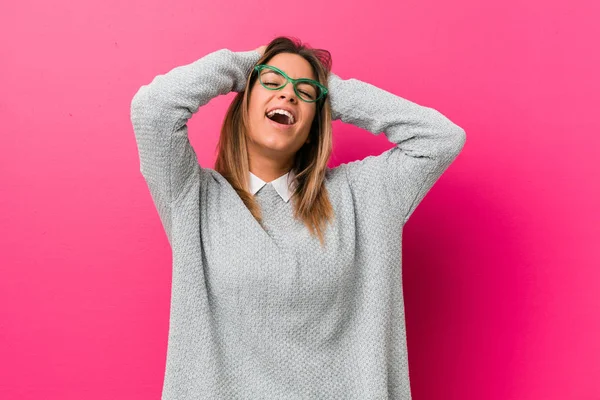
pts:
pixel 278 125
pixel 280 120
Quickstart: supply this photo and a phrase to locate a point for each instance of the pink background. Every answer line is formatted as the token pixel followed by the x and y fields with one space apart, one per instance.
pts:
pixel 501 259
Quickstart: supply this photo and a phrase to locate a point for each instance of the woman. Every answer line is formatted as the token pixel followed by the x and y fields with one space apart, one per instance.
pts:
pixel 289 289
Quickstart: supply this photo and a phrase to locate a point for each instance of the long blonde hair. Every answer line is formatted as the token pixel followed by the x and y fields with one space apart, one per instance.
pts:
pixel 310 199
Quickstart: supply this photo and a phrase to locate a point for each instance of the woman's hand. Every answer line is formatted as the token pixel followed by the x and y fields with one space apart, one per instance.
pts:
pixel 261 50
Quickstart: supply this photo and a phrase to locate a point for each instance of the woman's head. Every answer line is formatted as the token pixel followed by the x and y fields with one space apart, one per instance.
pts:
pixel 273 135
pixel 250 136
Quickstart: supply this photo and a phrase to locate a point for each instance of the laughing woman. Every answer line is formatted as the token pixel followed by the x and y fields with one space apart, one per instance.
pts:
pixel 286 273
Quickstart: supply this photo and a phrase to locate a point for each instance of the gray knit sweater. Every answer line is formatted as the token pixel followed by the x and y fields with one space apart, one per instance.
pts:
pixel 268 313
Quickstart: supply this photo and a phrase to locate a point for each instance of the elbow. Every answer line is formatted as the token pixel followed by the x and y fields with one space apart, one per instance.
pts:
pixel 454 137
pixel 142 112
pixel 145 105
pixel 139 101
pixel 452 142
pixel 456 141
pixel 459 136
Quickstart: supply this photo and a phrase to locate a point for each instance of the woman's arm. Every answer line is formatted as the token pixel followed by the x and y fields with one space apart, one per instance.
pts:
pixel 159 114
pixel 426 143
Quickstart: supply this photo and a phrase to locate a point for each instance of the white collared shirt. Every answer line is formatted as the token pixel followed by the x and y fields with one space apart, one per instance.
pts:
pixel 280 184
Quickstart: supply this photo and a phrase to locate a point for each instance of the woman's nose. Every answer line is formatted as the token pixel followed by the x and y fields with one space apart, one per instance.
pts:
pixel 288 92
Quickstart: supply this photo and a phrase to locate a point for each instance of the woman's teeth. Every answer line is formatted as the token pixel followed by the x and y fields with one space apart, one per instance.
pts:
pixel 287 119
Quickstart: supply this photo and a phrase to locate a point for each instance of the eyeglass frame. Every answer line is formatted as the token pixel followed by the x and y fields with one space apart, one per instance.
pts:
pixel 322 95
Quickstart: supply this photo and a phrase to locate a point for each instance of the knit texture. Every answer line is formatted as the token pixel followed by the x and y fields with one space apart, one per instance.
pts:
pixel 267 313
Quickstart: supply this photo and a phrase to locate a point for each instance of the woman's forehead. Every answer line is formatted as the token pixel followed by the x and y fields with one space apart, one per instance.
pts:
pixel 294 65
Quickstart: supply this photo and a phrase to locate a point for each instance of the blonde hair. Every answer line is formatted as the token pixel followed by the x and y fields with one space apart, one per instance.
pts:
pixel 310 199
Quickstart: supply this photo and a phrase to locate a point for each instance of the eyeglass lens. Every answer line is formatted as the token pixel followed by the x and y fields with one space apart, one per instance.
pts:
pixel 273 80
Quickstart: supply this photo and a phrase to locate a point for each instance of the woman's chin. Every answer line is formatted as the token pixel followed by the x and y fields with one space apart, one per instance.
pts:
pixel 274 145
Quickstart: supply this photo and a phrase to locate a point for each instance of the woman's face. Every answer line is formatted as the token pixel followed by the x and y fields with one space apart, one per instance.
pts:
pixel 268 138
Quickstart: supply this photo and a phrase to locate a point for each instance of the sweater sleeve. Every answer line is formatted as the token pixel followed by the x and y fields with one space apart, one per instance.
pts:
pixel 426 143
pixel 159 114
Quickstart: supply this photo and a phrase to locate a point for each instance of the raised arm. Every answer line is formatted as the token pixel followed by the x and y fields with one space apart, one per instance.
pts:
pixel 426 143
pixel 159 114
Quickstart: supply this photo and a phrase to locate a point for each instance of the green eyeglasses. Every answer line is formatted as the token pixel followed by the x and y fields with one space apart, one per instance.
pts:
pixel 306 89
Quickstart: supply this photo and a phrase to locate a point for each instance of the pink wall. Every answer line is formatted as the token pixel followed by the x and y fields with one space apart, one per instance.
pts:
pixel 501 260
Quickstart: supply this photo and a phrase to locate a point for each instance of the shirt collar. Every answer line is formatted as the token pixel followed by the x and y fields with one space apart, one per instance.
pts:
pixel 280 184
